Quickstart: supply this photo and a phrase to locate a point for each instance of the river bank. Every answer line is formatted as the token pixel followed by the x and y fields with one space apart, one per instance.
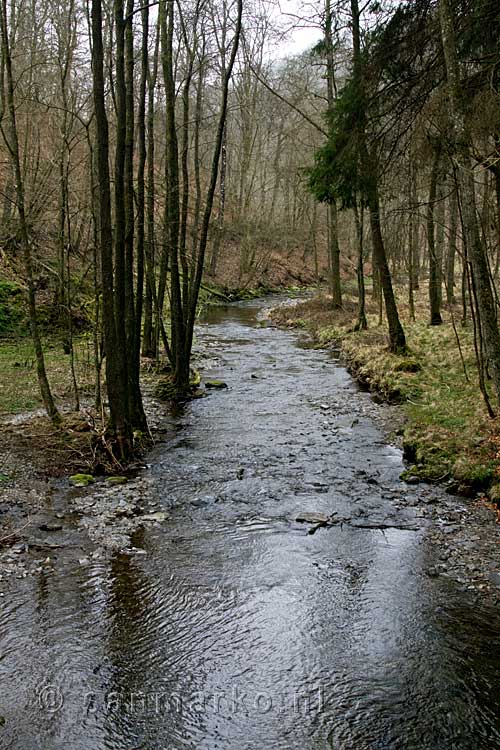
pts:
pixel 445 432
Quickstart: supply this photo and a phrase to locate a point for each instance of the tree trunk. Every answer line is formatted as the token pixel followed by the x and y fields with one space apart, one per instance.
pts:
pixel 397 341
pixel 412 242
pixel 434 264
pixel 151 337
pixel 222 207
pixel 452 248
pixel 119 425
pixel 362 323
pixel 133 301
pixel 333 247
pixel 462 143
pixel 12 143
pixel 173 215
pixel 334 251
pixel 141 193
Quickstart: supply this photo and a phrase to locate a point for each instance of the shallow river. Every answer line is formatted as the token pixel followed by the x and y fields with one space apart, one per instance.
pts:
pixel 237 628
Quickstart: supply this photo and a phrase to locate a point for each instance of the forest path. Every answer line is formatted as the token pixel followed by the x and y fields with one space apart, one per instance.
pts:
pixel 238 629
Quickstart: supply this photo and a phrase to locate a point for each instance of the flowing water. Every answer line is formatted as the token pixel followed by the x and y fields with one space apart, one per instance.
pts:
pixel 229 625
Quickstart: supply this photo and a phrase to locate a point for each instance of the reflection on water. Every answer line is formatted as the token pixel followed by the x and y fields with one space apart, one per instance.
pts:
pixel 236 629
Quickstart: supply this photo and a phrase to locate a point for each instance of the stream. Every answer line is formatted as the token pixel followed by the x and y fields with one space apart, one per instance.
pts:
pixel 229 626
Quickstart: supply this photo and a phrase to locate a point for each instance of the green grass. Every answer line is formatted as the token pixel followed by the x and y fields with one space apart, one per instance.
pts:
pixel 19 390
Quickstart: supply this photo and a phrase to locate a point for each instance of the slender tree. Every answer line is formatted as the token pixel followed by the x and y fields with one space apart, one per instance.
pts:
pixel 11 139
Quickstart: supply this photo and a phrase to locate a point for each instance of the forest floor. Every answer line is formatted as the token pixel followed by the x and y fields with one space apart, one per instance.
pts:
pixel 447 434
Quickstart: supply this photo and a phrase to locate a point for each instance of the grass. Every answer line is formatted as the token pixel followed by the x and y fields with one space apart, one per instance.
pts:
pixel 448 433
pixel 19 390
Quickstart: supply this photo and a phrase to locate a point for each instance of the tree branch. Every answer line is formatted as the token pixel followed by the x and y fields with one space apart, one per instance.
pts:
pixel 288 103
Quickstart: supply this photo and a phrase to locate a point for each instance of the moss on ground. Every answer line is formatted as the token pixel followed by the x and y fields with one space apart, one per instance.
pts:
pixel 166 388
pixel 448 434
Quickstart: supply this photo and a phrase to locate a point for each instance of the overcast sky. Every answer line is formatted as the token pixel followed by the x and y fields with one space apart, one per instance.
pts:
pixel 301 33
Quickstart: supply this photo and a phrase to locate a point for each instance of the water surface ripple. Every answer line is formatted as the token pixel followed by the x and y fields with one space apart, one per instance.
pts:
pixel 237 629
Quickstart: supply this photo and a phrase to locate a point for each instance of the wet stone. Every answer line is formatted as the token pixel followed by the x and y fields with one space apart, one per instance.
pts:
pixel 494 578
pixel 81 480
pixel 215 384
pixel 312 518
pixel 116 480
pixel 51 526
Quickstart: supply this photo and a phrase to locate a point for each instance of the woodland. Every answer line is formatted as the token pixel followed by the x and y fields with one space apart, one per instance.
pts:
pixel 157 156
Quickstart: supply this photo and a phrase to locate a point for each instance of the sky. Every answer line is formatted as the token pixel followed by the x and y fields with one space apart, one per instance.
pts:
pixel 299 40
pixel 300 33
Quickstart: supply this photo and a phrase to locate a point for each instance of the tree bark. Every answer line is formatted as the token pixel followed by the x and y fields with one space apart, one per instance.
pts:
pixel 119 426
pixel 362 323
pixel 173 211
pixel 334 247
pixel 434 261
pixel 452 248
pixel 133 300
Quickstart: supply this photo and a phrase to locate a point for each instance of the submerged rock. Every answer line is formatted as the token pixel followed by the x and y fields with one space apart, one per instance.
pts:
pixel 81 480
pixel 50 526
pixel 159 517
pixel 116 480
pixel 313 518
pixel 218 384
